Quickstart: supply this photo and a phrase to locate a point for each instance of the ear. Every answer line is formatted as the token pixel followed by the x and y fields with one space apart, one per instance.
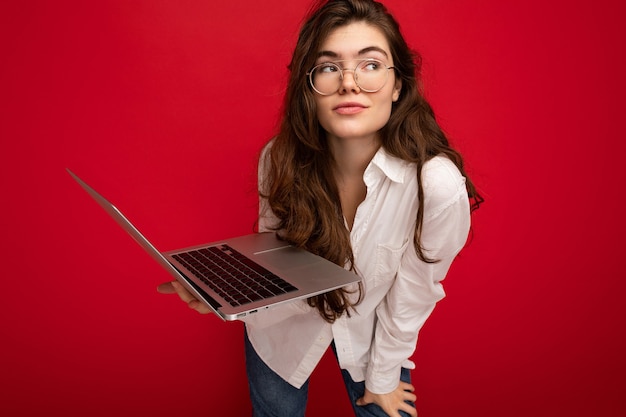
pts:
pixel 396 90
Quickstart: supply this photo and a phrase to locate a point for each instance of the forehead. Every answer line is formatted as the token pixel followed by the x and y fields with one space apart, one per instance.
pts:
pixel 348 40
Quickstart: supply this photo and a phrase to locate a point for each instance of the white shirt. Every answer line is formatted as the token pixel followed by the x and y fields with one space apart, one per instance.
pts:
pixel 400 290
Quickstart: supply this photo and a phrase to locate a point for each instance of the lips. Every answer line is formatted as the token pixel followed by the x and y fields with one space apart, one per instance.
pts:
pixel 349 108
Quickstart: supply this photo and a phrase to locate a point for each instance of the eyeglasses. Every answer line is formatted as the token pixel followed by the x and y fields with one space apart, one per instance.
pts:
pixel 370 75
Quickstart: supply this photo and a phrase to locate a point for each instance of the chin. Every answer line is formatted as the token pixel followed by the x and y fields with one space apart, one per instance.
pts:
pixel 353 134
pixel 356 128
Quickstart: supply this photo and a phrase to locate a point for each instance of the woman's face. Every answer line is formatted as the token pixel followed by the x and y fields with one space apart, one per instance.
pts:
pixel 351 113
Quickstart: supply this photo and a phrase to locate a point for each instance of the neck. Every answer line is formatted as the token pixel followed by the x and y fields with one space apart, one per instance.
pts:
pixel 353 155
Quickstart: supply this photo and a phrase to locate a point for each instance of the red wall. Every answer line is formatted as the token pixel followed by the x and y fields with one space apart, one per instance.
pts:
pixel 163 105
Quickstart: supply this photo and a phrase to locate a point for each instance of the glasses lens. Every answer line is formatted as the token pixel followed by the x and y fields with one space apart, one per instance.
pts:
pixel 371 75
pixel 326 78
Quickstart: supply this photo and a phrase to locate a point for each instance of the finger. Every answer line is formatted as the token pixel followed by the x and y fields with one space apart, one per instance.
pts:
pixel 166 288
pixel 409 409
pixel 190 299
pixel 410 397
pixel 405 386
pixel 391 411
pixel 408 391
pixel 199 306
pixel 173 287
pixel 182 292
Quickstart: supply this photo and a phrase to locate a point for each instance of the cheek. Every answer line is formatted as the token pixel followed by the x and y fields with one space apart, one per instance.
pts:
pixel 384 104
pixel 382 117
pixel 322 113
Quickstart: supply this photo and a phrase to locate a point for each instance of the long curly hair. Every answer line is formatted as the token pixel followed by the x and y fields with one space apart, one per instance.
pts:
pixel 299 184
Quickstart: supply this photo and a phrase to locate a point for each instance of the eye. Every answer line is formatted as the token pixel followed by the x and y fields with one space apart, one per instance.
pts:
pixel 371 65
pixel 327 67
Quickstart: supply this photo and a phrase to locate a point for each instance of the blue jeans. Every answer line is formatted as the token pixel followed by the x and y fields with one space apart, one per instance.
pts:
pixel 272 396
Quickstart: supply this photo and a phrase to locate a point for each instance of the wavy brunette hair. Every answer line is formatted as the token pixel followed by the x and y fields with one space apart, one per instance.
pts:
pixel 298 180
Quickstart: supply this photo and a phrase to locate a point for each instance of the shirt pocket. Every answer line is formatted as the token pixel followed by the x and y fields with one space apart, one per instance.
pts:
pixel 388 262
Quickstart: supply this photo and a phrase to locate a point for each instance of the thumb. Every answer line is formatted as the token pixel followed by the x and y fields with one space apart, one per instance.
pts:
pixel 360 402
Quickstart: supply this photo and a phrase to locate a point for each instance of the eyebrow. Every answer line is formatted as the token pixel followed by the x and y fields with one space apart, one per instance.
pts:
pixel 332 54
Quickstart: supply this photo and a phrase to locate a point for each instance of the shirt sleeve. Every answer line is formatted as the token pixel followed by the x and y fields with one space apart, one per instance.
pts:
pixel 417 286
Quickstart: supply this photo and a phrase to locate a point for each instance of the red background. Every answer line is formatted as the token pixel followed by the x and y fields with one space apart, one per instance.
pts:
pixel 163 106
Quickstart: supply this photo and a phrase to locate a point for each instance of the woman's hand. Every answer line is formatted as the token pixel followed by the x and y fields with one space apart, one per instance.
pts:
pixel 174 287
pixel 393 401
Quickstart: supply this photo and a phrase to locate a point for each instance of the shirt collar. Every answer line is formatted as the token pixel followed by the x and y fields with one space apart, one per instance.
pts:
pixel 394 168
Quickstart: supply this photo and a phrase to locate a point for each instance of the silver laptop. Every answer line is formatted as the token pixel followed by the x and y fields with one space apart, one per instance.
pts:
pixel 243 275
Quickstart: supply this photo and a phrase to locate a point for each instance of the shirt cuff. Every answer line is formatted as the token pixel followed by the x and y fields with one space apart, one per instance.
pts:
pixel 382 383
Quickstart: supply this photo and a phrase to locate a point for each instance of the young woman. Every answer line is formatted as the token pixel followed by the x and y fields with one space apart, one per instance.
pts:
pixel 361 174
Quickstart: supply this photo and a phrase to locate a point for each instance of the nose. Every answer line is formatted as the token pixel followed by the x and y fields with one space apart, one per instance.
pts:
pixel 348 82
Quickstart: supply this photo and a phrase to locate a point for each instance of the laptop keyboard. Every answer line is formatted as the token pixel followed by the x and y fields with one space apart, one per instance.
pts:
pixel 236 278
